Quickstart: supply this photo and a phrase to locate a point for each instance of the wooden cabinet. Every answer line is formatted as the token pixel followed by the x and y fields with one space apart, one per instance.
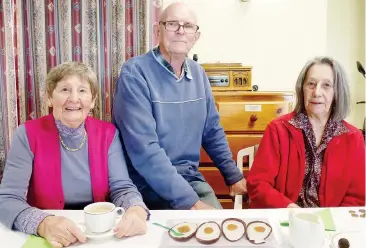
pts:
pixel 244 117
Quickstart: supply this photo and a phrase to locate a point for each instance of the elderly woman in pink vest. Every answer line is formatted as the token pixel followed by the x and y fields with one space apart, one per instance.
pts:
pixel 67 160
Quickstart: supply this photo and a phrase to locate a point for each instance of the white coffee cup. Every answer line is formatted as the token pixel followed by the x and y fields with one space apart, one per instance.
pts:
pixel 101 216
pixel 306 230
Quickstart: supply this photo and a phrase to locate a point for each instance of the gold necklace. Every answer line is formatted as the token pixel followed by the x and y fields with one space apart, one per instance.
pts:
pixel 73 149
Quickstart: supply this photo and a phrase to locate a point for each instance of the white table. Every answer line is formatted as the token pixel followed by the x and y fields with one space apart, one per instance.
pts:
pixel 152 239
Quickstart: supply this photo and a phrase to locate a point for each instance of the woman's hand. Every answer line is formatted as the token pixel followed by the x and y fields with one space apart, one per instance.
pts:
pixel 132 223
pixel 293 205
pixel 60 231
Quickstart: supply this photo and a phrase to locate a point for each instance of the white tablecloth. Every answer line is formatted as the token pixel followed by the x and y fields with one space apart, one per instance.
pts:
pixel 153 237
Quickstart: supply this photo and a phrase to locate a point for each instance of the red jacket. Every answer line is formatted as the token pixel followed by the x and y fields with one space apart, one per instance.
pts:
pixel 45 186
pixel 277 173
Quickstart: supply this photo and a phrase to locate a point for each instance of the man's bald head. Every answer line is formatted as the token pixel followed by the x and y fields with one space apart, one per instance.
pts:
pixel 181 9
pixel 177 29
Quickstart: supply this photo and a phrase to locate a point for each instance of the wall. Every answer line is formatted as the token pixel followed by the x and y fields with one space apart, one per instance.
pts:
pixel 277 37
pixel 346 43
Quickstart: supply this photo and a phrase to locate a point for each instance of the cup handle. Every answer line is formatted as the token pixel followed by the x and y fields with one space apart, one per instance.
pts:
pixel 120 211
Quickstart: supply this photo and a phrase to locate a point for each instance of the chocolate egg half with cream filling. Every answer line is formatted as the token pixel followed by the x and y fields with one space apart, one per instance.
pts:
pixel 208 233
pixel 258 231
pixel 187 229
pixel 233 229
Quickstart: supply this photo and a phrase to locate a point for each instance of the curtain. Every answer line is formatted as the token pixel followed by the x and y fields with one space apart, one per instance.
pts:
pixel 36 35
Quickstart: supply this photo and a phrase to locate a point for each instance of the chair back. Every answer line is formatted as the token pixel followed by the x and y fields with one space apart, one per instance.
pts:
pixel 249 151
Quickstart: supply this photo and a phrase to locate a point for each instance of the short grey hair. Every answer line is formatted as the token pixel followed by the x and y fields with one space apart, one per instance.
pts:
pixel 342 97
pixel 71 68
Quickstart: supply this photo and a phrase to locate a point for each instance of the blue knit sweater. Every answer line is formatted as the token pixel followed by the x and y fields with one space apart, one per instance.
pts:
pixel 164 120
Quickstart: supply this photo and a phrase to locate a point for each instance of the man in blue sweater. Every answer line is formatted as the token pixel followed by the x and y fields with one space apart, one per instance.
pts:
pixel 165 110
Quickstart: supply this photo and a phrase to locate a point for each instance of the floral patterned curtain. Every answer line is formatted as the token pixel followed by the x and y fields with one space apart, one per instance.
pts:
pixel 36 35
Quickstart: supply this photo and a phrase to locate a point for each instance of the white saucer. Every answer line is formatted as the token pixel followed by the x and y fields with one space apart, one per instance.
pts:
pixel 355 238
pixel 93 235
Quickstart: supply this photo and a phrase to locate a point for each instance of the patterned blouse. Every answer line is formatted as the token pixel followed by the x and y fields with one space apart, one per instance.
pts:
pixel 314 156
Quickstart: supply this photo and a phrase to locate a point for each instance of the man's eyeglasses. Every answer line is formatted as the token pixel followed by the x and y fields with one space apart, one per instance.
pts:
pixel 175 26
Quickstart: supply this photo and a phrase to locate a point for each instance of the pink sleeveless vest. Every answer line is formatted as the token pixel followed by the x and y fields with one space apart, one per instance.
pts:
pixel 45 186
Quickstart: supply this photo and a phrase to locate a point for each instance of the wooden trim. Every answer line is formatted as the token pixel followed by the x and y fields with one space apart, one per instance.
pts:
pixel 201 169
pixel 254 93
pixel 216 180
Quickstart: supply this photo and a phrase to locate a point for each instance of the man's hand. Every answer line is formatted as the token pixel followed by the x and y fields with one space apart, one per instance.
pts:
pixel 201 206
pixel 238 188
pixel 60 231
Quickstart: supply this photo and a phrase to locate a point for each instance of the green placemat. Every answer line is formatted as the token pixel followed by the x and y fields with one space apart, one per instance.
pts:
pixel 327 218
pixel 36 242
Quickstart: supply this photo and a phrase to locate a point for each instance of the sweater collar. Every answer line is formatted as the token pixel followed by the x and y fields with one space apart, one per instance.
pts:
pixel 186 69
pixel 66 131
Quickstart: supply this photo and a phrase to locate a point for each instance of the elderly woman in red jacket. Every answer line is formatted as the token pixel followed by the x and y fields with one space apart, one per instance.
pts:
pixel 311 157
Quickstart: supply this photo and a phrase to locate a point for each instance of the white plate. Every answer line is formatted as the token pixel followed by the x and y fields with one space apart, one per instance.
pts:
pixel 93 235
pixel 168 242
pixel 356 239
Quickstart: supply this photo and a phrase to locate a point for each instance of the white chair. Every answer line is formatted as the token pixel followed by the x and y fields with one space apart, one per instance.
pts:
pixel 249 151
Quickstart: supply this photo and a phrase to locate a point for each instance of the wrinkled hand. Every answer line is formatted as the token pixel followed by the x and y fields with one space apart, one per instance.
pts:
pixel 200 205
pixel 60 231
pixel 133 222
pixel 293 205
pixel 238 188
